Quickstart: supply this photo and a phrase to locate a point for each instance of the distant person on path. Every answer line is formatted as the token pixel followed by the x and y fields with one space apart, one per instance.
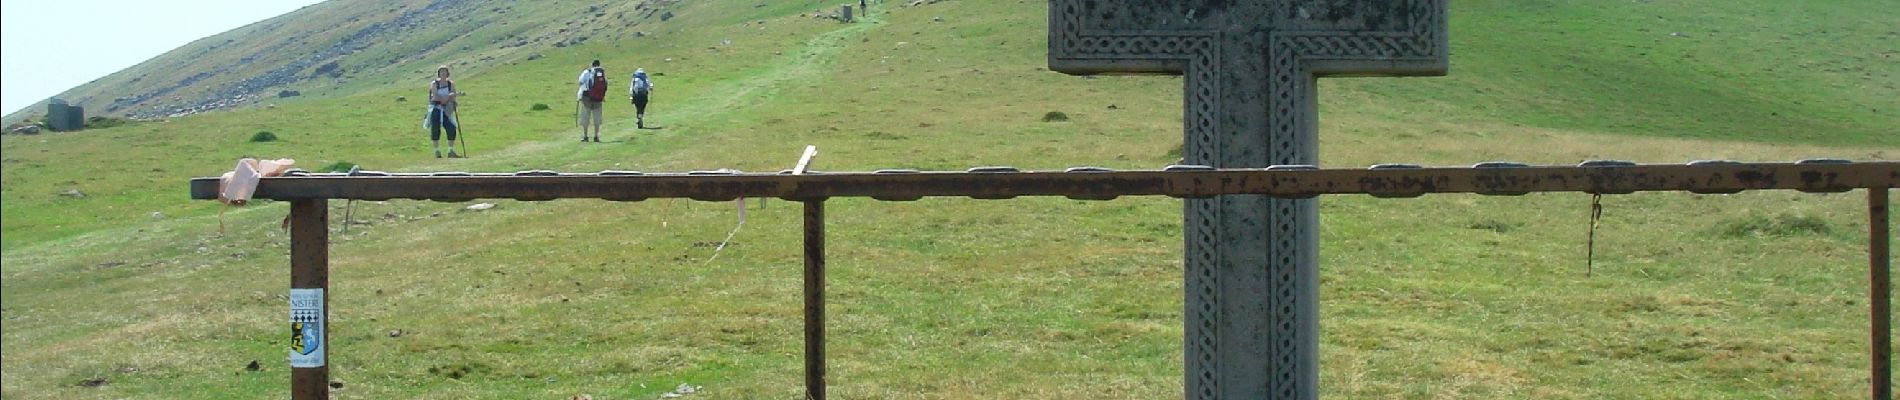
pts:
pixel 442 111
pixel 593 90
pixel 639 91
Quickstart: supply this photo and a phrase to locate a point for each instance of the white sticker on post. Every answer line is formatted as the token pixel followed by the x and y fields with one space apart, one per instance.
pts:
pixel 306 328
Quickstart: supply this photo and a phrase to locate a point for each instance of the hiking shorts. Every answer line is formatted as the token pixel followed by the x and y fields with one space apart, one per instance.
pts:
pixel 590 113
pixel 438 121
pixel 640 103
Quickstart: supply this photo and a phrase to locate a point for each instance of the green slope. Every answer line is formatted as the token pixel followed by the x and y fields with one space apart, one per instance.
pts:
pixel 1744 296
pixel 1788 72
pixel 344 47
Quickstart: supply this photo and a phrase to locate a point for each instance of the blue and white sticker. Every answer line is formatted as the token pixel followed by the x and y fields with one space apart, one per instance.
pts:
pixel 306 328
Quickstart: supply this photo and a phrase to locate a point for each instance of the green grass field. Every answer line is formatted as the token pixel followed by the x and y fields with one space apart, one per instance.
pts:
pixel 1754 295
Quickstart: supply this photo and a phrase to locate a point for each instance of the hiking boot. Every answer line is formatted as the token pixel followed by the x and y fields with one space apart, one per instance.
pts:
pixel 438 154
pixel 583 138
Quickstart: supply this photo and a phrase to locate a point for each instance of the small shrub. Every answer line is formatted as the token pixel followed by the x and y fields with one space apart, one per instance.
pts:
pixel 1492 225
pixel 539 107
pixel 339 166
pixel 1756 225
pixel 263 136
pixel 105 122
pixel 1055 116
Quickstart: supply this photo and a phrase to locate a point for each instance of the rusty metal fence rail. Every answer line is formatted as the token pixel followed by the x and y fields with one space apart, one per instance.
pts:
pixel 1388 180
pixel 308 194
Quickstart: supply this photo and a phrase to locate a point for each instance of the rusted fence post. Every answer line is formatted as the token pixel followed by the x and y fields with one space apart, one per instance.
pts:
pixel 309 304
pixel 815 299
pixel 1880 294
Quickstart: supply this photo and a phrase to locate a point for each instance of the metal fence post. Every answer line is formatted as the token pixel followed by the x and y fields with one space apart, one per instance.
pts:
pixel 1880 294
pixel 815 299
pixel 309 269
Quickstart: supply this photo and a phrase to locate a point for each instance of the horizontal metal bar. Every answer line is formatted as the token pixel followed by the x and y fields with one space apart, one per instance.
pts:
pixel 1086 183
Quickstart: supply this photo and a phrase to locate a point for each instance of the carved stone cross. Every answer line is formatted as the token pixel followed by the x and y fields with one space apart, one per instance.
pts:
pixel 1251 272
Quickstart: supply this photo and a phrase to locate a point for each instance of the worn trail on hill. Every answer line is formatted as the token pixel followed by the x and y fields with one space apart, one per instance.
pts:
pixel 804 64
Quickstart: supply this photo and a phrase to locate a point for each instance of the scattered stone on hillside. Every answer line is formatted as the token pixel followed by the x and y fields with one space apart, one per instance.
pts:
pixel 73 193
pixel 536 56
pixel 666 16
pixel 94 382
pixel 1113 107
pixel 336 383
pixel 158 215
pixel 395 333
pixel 253 366
pixel 581 397
pixel 288 93
pixel 128 369
pixel 936 19
pixel 28 129
pixel 480 206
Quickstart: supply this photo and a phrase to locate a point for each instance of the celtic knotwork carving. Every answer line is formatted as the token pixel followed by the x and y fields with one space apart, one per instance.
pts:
pixel 1249 66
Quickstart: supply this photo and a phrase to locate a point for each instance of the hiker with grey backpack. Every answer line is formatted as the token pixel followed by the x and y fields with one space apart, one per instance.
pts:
pixel 639 92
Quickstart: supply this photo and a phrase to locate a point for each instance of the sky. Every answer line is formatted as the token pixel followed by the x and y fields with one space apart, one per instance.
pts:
pixel 42 54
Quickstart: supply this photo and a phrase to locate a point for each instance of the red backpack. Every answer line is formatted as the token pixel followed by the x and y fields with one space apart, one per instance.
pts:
pixel 598 92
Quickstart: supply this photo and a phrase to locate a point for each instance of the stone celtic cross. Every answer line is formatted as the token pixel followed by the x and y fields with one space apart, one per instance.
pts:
pixel 1251 272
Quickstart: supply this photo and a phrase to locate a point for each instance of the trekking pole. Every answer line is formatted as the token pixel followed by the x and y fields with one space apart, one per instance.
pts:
pixel 461 131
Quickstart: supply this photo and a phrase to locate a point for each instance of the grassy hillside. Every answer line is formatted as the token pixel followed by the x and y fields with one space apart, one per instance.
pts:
pixel 1757 295
pixel 344 47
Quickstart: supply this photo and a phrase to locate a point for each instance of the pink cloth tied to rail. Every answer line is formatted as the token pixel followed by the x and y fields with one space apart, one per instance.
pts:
pixel 236 187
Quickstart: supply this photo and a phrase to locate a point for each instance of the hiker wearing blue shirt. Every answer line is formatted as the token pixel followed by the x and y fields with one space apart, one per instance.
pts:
pixel 592 92
pixel 639 91
pixel 442 111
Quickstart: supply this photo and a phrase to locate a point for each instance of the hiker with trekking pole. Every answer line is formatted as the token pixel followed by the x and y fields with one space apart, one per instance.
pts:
pixel 588 99
pixel 442 115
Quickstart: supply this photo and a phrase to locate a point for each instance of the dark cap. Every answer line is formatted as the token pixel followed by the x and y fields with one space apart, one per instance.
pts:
pixel 596 63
